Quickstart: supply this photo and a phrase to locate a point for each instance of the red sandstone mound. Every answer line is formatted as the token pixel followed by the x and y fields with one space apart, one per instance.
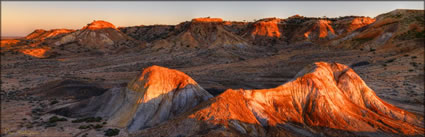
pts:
pixel 34 43
pixel 41 34
pixel 388 31
pixel 327 99
pixel 318 29
pixel 207 20
pixel 99 35
pixel 8 42
pixel 266 27
pixel 266 32
pixel 344 26
pixel 201 33
pixel 35 52
pixel 99 24
pixel 156 95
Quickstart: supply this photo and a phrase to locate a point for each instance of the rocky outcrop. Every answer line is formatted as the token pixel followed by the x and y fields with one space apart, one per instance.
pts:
pixel 35 52
pixel 266 32
pixel 201 33
pixel 266 27
pixel 41 34
pixel 319 29
pixel 148 33
pixel 156 95
pixel 99 24
pixel 386 32
pixel 323 99
pixel 207 20
pixel 99 35
pixel 9 42
pixel 344 26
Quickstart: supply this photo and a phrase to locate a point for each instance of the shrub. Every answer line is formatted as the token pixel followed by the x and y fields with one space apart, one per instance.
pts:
pixel 54 102
pixel 50 125
pixel 88 120
pixel 112 132
pixel 84 127
pixel 98 126
pixel 56 119
pixel 389 61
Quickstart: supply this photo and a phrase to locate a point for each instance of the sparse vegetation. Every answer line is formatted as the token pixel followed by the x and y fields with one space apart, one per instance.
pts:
pixel 84 127
pixel 56 119
pixel 88 120
pixel 390 60
pixel 411 34
pixel 112 132
pixel 54 102
pixel 414 64
pixel 97 126
pixel 48 124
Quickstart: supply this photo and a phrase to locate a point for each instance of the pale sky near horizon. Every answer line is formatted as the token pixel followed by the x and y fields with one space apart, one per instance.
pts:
pixel 21 18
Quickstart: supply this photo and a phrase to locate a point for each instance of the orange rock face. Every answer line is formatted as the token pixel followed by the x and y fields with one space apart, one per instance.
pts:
pixel 267 28
pixel 323 97
pixel 322 27
pixel 156 95
pixel 359 22
pixel 40 34
pixel 201 33
pixel 36 52
pixel 8 42
pixel 207 19
pixel 99 24
pixel 160 80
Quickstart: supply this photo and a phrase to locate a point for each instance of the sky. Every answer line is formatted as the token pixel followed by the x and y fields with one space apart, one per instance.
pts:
pixel 21 18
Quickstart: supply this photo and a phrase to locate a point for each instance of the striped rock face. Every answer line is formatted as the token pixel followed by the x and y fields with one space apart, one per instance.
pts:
pixel 156 95
pixel 99 35
pixel 266 28
pixel 40 34
pixel 201 33
pixel 99 24
pixel 323 98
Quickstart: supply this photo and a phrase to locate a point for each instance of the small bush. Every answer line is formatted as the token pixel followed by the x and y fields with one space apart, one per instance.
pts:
pixel 84 127
pixel 88 120
pixel 56 119
pixel 414 64
pixel 362 63
pixel 97 126
pixel 390 60
pixel 50 125
pixel 54 102
pixel 112 132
